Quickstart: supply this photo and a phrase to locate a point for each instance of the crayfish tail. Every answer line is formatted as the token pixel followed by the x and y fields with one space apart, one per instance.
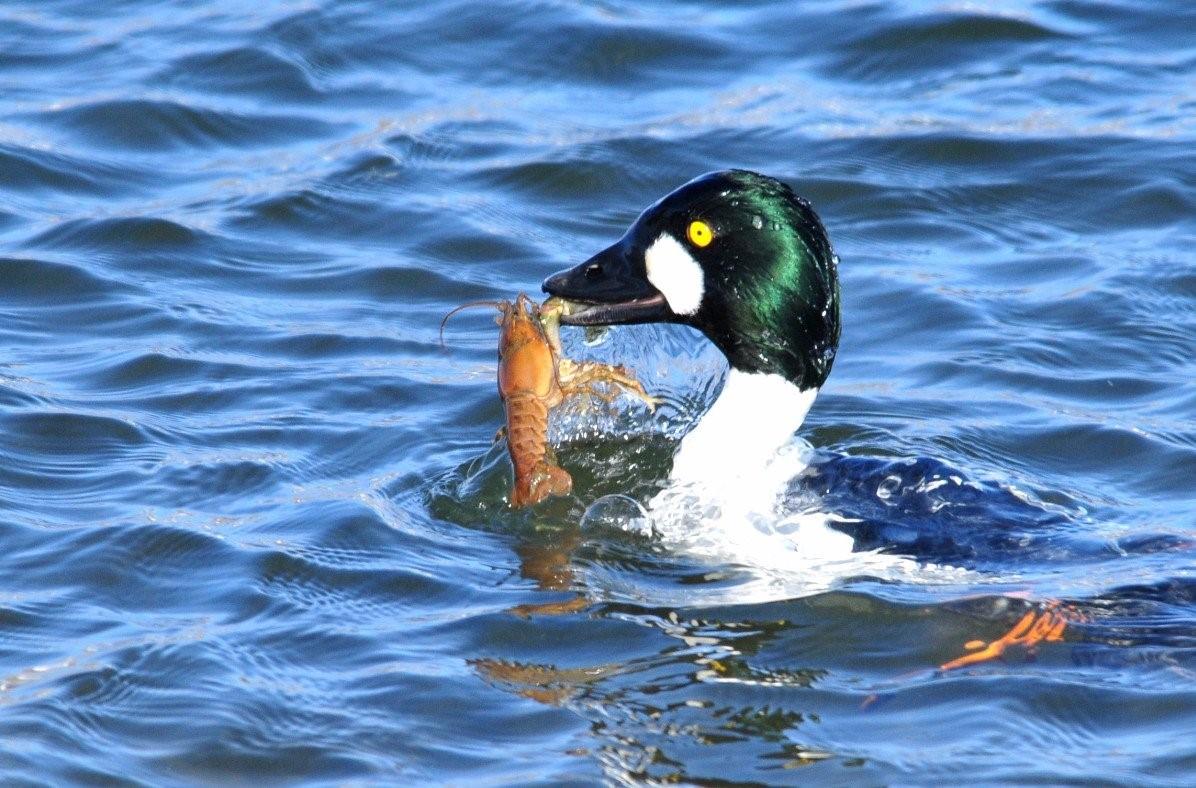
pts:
pixel 545 479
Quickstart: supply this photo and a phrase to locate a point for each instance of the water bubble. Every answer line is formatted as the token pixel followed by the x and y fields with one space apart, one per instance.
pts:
pixel 887 487
pixel 596 335
pixel 617 511
pixel 758 222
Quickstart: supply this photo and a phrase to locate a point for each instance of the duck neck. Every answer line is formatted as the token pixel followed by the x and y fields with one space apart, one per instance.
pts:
pixel 754 416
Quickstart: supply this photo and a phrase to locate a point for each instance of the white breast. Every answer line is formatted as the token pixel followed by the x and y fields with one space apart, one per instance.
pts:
pixel 754 416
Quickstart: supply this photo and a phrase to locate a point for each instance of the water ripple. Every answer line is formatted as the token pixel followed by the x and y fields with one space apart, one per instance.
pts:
pixel 254 516
pixel 150 125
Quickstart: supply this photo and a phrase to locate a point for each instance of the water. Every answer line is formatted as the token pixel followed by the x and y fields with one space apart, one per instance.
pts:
pixel 252 515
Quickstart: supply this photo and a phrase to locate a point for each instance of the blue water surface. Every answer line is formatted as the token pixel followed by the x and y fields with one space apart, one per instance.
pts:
pixel 254 523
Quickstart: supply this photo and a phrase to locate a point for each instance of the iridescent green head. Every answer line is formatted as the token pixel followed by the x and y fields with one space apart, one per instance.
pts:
pixel 735 254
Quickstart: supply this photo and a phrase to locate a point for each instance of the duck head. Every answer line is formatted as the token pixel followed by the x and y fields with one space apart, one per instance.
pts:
pixel 736 255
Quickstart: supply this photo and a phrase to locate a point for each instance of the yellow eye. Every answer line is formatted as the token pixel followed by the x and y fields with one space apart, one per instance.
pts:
pixel 700 233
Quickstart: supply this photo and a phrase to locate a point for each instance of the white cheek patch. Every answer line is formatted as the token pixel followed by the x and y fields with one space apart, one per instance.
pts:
pixel 675 273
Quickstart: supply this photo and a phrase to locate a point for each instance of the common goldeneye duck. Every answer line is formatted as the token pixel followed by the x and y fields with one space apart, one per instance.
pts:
pixel 734 254
pixel 746 261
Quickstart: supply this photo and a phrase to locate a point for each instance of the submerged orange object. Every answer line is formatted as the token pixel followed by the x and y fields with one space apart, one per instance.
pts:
pixel 532 380
pixel 1032 629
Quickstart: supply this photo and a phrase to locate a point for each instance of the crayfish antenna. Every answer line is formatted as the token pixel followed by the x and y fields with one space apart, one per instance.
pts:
pixel 496 304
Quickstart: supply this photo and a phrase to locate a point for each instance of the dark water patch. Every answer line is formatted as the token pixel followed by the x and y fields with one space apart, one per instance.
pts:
pixel 70 463
pixel 627 54
pixel 35 41
pixel 1030 372
pixel 191 408
pixel 1068 734
pixel 213 481
pixel 1122 458
pixel 66 434
pixel 322 346
pixel 462 246
pixel 609 166
pixel 28 626
pixel 127 698
pixel 32 282
pixel 926 43
pixel 367 171
pixel 381 593
pixel 1163 203
pixel 250 71
pixel 38 171
pixel 142 232
pixel 160 557
pixel 878 301
pixel 151 371
pixel 454 143
pixel 1118 338
pixel 975 180
pixel 318 37
pixel 620 51
pixel 312 210
pixel 155 125
pixel 1046 275
pixel 561 179
pixel 296 584
pixel 20 392
pixel 966 154
pixel 254 259
pixel 1164 21
pixel 403 287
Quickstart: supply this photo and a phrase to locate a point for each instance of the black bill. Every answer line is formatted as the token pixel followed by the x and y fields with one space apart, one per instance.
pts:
pixel 608 289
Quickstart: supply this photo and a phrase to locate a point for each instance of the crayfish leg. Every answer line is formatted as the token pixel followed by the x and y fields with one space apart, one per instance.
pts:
pixel 582 378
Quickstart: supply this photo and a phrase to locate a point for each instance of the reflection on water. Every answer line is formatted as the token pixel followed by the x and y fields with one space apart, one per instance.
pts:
pixel 254 521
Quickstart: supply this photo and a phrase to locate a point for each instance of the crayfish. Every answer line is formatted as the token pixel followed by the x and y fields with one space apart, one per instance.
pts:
pixel 534 378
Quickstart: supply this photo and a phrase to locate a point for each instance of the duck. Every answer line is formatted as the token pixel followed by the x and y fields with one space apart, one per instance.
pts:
pixel 743 259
